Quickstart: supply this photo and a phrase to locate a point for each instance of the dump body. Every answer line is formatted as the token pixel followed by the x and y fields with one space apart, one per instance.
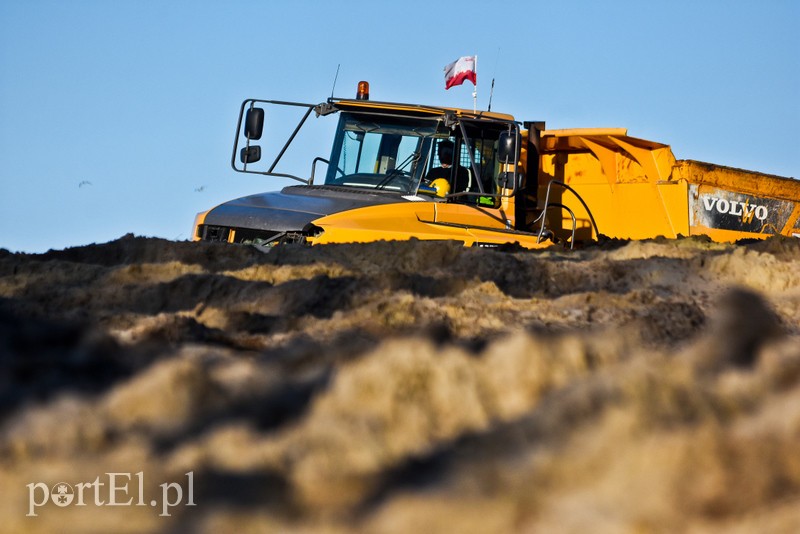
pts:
pixel 636 189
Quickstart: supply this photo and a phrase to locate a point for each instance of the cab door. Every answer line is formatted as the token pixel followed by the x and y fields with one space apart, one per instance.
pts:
pixel 468 205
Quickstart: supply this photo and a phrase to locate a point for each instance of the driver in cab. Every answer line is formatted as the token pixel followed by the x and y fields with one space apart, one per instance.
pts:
pixel 440 177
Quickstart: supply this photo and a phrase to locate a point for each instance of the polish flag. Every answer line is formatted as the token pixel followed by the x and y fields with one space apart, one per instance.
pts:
pixel 465 68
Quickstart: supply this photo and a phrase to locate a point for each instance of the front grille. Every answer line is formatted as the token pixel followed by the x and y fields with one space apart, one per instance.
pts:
pixel 207 232
pixel 247 236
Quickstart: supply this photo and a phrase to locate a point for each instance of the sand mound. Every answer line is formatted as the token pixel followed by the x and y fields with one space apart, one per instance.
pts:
pixel 402 387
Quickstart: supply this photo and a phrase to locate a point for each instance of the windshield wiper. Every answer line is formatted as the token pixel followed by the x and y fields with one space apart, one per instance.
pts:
pixel 398 171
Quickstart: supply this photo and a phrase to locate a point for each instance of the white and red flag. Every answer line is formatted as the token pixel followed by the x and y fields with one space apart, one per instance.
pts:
pixel 464 68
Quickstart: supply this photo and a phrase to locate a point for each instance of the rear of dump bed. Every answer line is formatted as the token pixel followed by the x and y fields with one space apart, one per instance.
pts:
pixel 729 204
pixel 636 189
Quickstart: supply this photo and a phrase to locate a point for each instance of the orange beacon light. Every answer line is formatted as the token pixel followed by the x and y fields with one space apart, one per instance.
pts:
pixel 363 91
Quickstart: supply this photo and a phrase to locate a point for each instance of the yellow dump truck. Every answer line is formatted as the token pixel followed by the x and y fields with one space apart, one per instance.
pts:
pixel 402 171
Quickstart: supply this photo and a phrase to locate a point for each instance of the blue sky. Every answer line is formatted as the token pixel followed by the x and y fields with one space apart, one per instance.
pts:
pixel 118 116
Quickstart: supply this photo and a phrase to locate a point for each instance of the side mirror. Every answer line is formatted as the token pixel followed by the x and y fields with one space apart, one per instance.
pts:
pixel 250 154
pixel 254 123
pixel 507 148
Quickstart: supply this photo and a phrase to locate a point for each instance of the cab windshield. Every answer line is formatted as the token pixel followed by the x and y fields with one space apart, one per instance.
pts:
pixel 382 153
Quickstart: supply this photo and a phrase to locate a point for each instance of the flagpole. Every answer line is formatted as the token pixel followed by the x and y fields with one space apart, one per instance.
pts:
pixel 475 91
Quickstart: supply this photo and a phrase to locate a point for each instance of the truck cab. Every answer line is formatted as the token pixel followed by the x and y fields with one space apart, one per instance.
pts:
pixel 385 178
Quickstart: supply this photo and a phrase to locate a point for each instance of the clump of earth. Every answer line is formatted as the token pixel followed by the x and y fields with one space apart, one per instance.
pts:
pixel 648 386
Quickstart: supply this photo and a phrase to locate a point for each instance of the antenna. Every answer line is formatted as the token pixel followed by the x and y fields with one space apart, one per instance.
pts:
pixel 335 78
pixel 491 91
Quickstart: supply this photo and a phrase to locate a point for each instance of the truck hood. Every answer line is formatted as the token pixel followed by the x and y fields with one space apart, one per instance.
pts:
pixel 293 207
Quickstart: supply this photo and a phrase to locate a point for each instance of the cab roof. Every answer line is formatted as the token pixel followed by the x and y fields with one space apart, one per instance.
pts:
pixel 416 109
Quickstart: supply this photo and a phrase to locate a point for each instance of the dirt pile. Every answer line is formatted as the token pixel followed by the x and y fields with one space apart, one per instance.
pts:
pixel 401 387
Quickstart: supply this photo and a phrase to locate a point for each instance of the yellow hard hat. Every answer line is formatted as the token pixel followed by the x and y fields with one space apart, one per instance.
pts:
pixel 442 186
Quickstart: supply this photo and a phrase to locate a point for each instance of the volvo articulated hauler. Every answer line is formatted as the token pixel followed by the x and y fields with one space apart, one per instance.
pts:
pixel 402 171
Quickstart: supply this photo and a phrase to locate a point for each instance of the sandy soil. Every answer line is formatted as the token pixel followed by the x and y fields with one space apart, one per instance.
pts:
pixel 402 387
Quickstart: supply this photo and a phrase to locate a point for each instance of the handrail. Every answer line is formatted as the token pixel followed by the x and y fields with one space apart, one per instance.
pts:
pixel 314 166
pixel 548 204
pixel 574 221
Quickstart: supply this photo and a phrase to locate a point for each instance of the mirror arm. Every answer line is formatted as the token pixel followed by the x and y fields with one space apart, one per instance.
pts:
pixel 291 138
pixel 236 139
pixel 282 175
